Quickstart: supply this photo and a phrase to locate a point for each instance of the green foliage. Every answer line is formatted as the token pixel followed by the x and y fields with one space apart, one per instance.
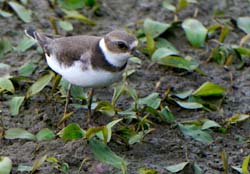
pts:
pixel 103 153
pixel 196 133
pixel 45 134
pixel 39 84
pixel 27 69
pixel 109 127
pixel 71 4
pixel 23 168
pixel 72 14
pixel 23 13
pixel 37 163
pixel 72 132
pixel 15 104
pixel 189 105
pixel 177 167
pixel 148 171
pixel 25 43
pixel 18 133
pixel 197 169
pixel 65 25
pixel 244 24
pixel 6 85
pixel 179 62
pixel 196 33
pixel 5 165
pixel 237 118
pixel 5 47
pixel 154 28
pixel 245 165
pixel 5 14
pixel 152 100
pixel 163 52
pixel 209 89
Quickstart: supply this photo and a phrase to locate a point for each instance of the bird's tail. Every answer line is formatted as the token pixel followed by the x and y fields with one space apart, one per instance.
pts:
pixel 40 38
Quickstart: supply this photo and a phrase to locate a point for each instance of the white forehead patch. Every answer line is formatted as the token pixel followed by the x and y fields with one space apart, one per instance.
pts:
pixel 134 44
pixel 116 59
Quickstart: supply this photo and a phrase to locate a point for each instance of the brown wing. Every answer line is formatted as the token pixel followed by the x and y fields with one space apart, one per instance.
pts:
pixel 70 49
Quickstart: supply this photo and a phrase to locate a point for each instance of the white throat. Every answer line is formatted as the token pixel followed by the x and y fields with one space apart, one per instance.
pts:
pixel 116 59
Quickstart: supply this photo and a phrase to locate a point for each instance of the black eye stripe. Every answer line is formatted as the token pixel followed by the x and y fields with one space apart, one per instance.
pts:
pixel 122 45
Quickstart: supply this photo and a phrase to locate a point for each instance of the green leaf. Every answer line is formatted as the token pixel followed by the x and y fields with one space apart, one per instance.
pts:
pixel 106 108
pixel 72 14
pixel 6 84
pixel 77 92
pixel 152 100
pixel 237 118
pixel 241 50
pixel 164 43
pixel 71 4
pixel 163 52
pixel 109 127
pixel 189 105
pixel 4 72
pixel 209 89
pixel 72 132
pixel 45 134
pixel 169 6
pixel 177 167
pixel 118 91
pixel 196 133
pixel 15 104
pixel 245 165
pixel 5 14
pixel 154 28
pixel 197 169
pixel 167 114
pixel 25 44
pixel 148 171
pixel 65 25
pixel 238 169
pixel 90 3
pixel 136 138
pixel 39 84
pixel 5 47
pixel 184 94
pixel 150 47
pixel 182 4
pixel 18 133
pixel 37 163
pixel 196 33
pixel 179 62
pixel 22 168
pixel 209 124
pixel 103 153
pixel 27 69
pixel 92 131
pixel 244 24
pixel 224 159
pixel 5 165
pixel 23 13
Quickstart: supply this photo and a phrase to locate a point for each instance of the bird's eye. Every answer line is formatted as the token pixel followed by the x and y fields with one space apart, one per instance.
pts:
pixel 122 45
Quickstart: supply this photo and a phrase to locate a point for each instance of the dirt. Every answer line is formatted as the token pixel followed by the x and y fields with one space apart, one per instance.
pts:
pixel 164 146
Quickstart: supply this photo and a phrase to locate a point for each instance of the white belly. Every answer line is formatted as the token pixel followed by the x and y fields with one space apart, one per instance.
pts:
pixel 87 78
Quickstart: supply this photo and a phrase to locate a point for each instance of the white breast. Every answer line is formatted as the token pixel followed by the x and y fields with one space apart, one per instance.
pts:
pixel 85 78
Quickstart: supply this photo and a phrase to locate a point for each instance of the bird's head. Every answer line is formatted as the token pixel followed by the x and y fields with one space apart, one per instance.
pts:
pixel 118 46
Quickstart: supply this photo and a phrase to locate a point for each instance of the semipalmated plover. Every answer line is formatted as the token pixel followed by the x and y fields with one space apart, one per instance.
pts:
pixel 88 61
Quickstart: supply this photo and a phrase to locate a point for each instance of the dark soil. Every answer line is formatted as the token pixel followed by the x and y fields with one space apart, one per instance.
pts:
pixel 164 146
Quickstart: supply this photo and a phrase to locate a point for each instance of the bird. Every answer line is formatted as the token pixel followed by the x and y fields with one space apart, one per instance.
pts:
pixel 88 61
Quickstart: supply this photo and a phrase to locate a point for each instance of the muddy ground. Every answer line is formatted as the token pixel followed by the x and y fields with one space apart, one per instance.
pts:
pixel 164 146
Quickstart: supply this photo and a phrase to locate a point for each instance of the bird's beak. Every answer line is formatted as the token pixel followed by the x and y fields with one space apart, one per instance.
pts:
pixel 137 53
